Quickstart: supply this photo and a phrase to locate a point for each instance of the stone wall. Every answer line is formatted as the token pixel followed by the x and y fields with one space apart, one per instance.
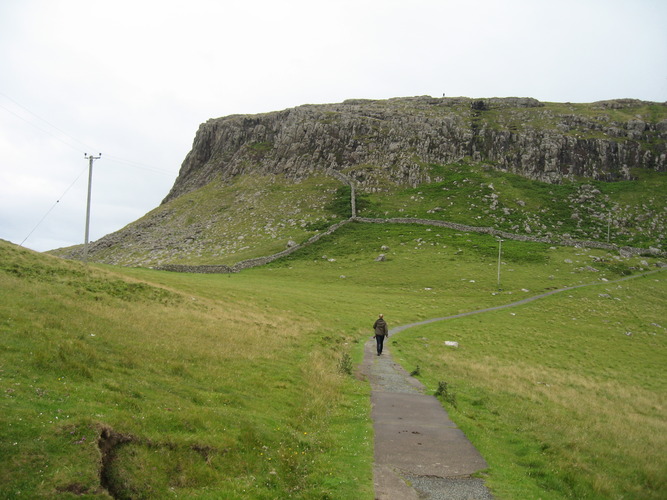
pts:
pixel 260 261
pixel 246 264
pixel 176 268
pixel 625 251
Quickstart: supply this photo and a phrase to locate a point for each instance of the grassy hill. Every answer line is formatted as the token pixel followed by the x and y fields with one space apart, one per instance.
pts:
pixel 256 215
pixel 115 384
pixel 148 384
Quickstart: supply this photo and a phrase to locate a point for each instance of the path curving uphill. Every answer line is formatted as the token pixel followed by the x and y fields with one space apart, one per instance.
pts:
pixel 419 452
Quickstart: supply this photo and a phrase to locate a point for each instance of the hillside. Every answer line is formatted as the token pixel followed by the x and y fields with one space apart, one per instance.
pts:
pixel 136 383
pixel 254 183
pixel 118 387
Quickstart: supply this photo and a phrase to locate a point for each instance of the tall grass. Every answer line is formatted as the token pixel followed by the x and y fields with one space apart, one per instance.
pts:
pixel 205 398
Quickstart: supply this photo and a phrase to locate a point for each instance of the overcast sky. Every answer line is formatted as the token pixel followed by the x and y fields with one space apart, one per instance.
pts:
pixel 133 79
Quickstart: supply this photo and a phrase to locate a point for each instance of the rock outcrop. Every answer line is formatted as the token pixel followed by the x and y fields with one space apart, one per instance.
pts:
pixel 395 140
pixel 257 185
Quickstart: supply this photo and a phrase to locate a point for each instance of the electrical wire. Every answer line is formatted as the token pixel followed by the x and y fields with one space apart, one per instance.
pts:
pixel 87 147
pixel 47 122
pixel 135 164
pixel 60 139
pixel 54 206
pixel 72 145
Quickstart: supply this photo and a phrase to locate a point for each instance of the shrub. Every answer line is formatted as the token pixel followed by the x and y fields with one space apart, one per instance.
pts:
pixel 445 394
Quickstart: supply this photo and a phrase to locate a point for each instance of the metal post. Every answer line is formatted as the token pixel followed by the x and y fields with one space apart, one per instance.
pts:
pixel 90 185
pixel 500 250
pixel 353 201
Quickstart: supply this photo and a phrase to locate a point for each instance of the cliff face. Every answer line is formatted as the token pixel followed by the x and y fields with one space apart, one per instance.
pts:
pixel 226 206
pixel 393 140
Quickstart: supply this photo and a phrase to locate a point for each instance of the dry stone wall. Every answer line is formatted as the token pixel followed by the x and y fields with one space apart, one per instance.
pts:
pixel 260 261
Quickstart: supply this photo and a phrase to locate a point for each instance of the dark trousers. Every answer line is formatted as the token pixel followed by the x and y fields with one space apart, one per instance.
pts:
pixel 380 341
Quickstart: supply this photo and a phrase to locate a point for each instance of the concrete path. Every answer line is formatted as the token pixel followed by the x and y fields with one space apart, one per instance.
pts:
pixel 419 451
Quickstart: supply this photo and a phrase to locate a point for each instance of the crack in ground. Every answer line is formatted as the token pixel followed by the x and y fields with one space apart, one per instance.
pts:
pixel 108 443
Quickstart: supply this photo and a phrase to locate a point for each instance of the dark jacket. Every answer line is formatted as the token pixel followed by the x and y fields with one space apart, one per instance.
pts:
pixel 380 327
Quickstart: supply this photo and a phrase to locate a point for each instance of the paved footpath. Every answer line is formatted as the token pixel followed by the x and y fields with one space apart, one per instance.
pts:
pixel 419 451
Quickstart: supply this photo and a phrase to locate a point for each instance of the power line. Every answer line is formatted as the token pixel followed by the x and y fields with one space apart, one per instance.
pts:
pixel 60 139
pixel 50 209
pixel 86 147
pixel 72 143
pixel 135 164
pixel 45 121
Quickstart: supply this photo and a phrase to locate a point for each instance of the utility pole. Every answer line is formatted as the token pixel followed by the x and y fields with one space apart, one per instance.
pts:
pixel 353 200
pixel 91 159
pixel 500 251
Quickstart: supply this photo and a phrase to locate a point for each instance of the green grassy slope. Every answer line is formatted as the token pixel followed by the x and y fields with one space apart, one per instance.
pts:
pixel 632 213
pixel 258 215
pixel 566 397
pixel 229 385
pixel 204 397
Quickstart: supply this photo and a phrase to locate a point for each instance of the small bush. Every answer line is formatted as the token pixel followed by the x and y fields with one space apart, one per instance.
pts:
pixel 479 105
pixel 445 394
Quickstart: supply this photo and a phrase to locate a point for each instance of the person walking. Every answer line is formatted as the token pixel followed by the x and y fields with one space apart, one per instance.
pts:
pixel 381 331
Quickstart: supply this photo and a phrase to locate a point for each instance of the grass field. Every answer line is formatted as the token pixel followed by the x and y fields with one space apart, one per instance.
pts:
pixel 151 384
pixel 204 397
pixel 565 397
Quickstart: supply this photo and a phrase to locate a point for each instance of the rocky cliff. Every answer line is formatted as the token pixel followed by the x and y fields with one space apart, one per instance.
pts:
pixel 254 185
pixel 395 139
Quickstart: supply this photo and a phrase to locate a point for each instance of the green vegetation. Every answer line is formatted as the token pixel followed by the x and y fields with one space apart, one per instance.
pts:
pixel 225 223
pixel 202 397
pixel 152 384
pixel 341 205
pixel 565 397
pixel 255 215
pixel 261 147
pixel 143 384
pixel 629 213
